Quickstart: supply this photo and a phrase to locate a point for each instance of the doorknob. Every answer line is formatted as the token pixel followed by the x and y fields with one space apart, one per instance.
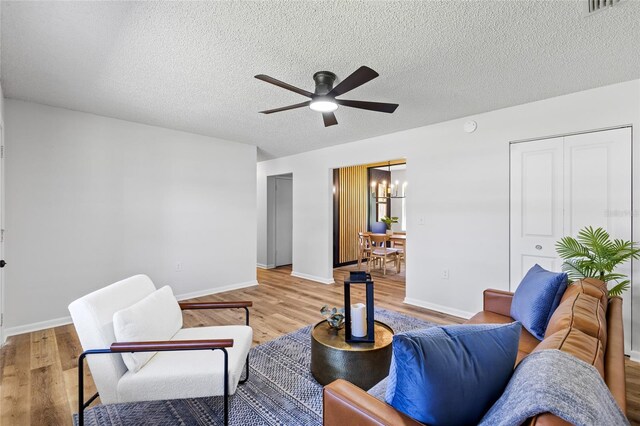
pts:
pixel 538 247
pixel 2 263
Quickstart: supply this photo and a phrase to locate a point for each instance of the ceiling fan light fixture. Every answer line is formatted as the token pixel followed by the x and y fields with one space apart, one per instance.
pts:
pixel 323 105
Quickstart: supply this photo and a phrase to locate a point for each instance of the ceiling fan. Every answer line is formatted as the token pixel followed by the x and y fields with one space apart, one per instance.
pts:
pixel 324 97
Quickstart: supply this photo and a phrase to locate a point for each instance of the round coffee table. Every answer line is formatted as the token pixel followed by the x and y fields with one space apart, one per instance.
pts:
pixel 363 364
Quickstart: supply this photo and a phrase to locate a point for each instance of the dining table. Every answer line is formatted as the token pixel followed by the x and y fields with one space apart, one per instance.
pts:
pixel 392 237
pixel 398 237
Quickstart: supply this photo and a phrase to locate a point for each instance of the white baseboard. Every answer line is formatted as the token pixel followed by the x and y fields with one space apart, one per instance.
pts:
pixel 634 356
pixel 215 290
pixel 320 280
pixel 36 326
pixel 439 308
pixel 28 328
pixel 263 266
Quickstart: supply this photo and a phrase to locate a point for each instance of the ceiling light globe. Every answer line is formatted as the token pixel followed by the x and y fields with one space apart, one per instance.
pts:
pixel 323 105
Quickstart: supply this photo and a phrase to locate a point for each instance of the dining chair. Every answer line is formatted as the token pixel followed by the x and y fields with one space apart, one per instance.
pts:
pixel 380 252
pixel 378 228
pixel 364 248
pixel 401 246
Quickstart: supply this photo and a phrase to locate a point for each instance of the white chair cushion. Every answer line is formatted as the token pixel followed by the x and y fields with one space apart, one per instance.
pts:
pixel 189 374
pixel 93 319
pixel 156 317
pixel 384 251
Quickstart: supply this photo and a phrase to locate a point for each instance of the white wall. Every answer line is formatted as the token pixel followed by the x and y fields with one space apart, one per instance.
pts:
pixel 459 185
pixel 91 200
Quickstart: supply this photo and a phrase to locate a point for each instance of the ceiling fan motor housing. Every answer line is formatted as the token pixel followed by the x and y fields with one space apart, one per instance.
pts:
pixel 324 82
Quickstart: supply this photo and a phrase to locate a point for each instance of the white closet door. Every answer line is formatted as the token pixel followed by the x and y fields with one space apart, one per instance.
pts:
pixel 559 186
pixel 597 191
pixel 536 206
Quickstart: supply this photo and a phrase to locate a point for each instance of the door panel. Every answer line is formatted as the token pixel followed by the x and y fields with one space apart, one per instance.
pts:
pixel 536 206
pixel 284 221
pixel 537 193
pixel 1 233
pixel 550 263
pixel 598 191
pixel 598 182
pixel 586 183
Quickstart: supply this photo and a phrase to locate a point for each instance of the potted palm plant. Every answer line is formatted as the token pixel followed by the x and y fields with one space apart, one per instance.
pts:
pixel 594 255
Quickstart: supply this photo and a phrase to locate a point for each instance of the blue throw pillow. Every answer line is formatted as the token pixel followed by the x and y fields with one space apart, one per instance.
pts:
pixel 451 375
pixel 536 298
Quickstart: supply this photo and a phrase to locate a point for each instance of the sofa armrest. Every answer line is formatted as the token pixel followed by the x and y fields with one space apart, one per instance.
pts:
pixel 498 301
pixel 345 403
pixel 547 419
pixel 614 359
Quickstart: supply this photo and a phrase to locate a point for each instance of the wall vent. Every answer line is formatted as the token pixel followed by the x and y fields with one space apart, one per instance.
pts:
pixel 597 5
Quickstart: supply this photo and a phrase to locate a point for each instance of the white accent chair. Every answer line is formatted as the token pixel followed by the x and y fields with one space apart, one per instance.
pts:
pixel 187 363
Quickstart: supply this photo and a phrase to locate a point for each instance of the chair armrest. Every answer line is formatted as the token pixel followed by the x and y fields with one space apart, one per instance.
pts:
pixel 218 305
pixel 160 346
pixel 345 403
pixel 170 345
pixel 214 305
pixel 498 301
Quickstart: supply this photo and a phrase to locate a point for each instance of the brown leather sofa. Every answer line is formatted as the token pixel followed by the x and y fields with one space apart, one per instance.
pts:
pixel 586 324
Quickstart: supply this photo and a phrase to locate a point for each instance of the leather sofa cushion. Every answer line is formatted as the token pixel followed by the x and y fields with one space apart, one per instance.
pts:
pixel 527 342
pixel 577 343
pixel 591 287
pixel 583 312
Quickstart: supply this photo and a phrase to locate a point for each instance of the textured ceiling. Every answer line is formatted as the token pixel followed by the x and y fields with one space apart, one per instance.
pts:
pixel 190 65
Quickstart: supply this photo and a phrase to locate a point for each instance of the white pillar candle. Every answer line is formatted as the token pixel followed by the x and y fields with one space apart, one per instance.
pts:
pixel 358 320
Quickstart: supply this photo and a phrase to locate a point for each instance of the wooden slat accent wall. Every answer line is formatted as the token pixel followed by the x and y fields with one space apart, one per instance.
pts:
pixel 353 193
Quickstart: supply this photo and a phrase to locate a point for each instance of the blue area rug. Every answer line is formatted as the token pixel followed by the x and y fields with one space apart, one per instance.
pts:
pixel 280 390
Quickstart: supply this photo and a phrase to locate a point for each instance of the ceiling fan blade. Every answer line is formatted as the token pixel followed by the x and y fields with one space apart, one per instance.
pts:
pixel 300 105
pixel 372 106
pixel 284 85
pixel 329 119
pixel 356 79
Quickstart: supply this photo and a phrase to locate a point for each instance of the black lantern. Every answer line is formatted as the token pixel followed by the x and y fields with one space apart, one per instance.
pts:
pixel 356 278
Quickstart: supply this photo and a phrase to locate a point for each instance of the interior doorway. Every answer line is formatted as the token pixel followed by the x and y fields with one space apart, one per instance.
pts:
pixel 364 197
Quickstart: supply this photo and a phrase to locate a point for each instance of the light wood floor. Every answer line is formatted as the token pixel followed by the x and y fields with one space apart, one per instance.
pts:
pixel 38 372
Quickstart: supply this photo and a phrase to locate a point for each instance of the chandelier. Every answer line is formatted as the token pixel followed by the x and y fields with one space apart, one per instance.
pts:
pixel 384 190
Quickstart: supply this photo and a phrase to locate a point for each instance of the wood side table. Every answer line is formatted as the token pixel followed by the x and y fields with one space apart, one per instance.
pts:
pixel 363 364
